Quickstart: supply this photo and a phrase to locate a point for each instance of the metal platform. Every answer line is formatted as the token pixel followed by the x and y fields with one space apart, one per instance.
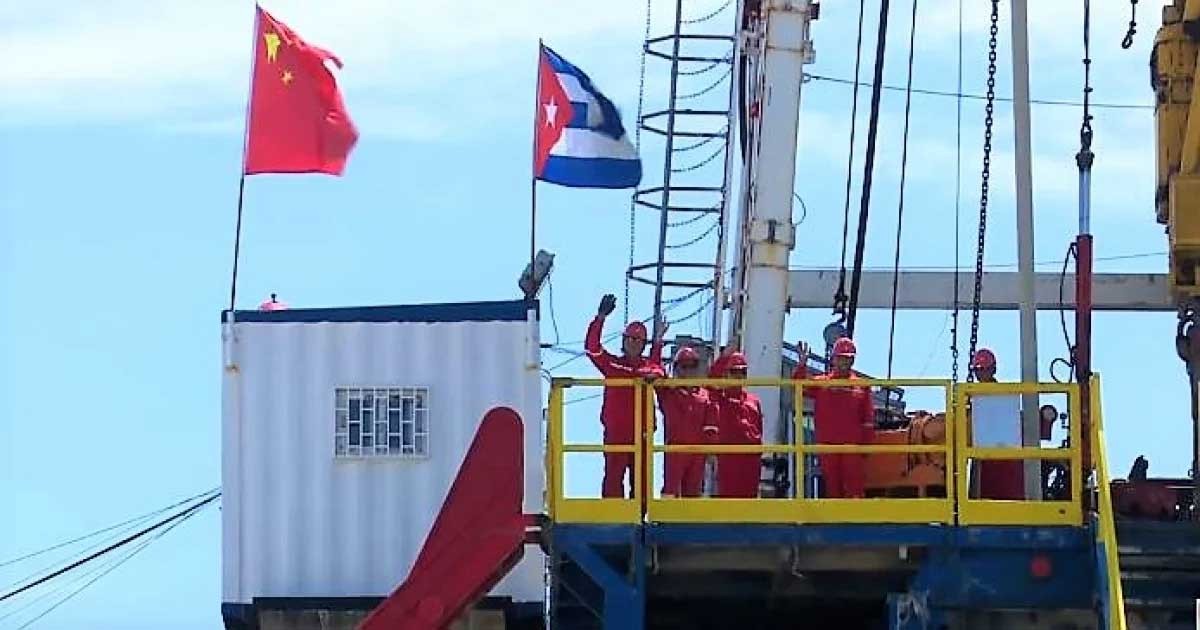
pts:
pixel 861 576
pixel 794 560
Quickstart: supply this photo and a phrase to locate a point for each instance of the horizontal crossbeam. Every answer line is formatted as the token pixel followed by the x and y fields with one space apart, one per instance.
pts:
pixel 934 290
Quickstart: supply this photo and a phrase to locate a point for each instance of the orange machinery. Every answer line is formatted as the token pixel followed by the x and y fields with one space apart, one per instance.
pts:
pixel 909 475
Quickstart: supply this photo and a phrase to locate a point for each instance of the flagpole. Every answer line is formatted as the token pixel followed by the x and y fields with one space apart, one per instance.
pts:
pixel 532 223
pixel 237 235
pixel 537 90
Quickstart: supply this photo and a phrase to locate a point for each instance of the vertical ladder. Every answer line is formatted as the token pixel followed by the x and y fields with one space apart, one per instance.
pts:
pixel 688 198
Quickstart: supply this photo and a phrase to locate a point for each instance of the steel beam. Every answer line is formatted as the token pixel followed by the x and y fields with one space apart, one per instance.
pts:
pixel 934 290
pixel 1024 181
pixel 769 232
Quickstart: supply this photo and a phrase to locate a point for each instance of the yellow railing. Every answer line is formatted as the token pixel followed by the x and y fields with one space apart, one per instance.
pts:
pixel 1106 529
pixel 955 507
pixel 798 509
pixel 975 511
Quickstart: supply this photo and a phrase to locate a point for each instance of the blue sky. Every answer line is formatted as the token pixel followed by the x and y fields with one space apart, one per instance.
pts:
pixel 121 136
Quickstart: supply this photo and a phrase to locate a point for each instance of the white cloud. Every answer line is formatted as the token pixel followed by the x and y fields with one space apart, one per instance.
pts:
pixel 166 61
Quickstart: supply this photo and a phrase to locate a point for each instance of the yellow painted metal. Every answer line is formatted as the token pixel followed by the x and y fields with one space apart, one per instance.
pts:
pixel 994 512
pixel 1027 452
pixel 951 443
pixel 675 510
pixel 1177 129
pixel 723 449
pixel 785 448
pixel 598 511
pixel 1029 512
pixel 801 482
pixel 1107 529
pixel 554 454
pixel 954 508
pixel 877 511
pixel 643 435
pixel 787 382
pixel 597 448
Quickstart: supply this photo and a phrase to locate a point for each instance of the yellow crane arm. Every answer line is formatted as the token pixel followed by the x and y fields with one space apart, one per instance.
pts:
pixel 1173 65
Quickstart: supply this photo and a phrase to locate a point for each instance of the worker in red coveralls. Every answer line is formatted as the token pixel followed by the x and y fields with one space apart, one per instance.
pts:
pixel 691 417
pixel 841 415
pixel 739 422
pixel 998 478
pixel 617 412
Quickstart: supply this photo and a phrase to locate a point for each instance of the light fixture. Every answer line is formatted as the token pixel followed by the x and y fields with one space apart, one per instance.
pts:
pixel 535 274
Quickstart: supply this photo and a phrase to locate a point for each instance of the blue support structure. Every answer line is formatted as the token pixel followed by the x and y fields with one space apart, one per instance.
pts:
pixel 936 572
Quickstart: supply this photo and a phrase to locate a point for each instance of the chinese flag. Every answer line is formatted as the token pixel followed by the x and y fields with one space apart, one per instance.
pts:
pixel 298 123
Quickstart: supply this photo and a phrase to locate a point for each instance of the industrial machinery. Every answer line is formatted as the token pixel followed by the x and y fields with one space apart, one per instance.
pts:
pixel 923 550
pixel 1177 195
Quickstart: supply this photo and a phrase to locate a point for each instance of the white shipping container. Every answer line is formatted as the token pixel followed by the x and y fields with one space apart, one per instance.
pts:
pixel 314 508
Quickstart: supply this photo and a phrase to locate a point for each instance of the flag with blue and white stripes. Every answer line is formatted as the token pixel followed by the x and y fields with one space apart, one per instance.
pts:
pixel 578 139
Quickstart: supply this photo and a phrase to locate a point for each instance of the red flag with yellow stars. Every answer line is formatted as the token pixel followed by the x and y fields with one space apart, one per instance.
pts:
pixel 298 122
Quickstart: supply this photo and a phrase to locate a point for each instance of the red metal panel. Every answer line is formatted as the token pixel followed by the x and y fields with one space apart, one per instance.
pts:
pixel 478 536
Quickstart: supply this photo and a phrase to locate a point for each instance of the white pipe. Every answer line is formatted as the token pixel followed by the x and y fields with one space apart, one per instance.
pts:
pixel 1025 262
pixel 786 49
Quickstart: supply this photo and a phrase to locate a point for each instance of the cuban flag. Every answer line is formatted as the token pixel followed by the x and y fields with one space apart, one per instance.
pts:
pixel 578 139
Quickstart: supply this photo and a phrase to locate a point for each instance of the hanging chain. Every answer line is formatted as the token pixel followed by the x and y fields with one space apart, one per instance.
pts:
pixel 1128 41
pixel 637 143
pixel 987 172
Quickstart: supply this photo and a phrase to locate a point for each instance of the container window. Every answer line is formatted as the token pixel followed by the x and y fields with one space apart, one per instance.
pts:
pixel 375 422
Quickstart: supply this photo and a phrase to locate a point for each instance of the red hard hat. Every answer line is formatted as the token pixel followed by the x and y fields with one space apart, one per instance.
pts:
pixel 637 330
pixel 686 355
pixel 844 347
pixel 737 361
pixel 983 358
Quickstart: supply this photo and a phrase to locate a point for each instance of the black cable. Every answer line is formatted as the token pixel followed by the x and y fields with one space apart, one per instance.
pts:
pixel 710 15
pixel 803 207
pixel 553 317
pixel 582 399
pixel 1127 42
pixel 668 305
pixel 839 297
pixel 1062 316
pixel 977 97
pixel 142 546
pixel 868 168
pixel 136 519
pixel 957 196
pixel 912 40
pixel 78 554
pixel 116 545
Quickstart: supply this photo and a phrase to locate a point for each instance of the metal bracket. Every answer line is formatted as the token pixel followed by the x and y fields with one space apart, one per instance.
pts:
pixel 772 232
pixel 791 6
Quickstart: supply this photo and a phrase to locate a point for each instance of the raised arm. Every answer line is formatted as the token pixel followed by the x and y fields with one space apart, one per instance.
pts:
pixel 801 371
pixel 721 364
pixel 656 345
pixel 599 357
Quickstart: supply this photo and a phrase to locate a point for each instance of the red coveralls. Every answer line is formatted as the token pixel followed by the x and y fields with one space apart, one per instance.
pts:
pixel 842 415
pixel 617 411
pixel 691 416
pixel 740 418
pixel 1002 479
